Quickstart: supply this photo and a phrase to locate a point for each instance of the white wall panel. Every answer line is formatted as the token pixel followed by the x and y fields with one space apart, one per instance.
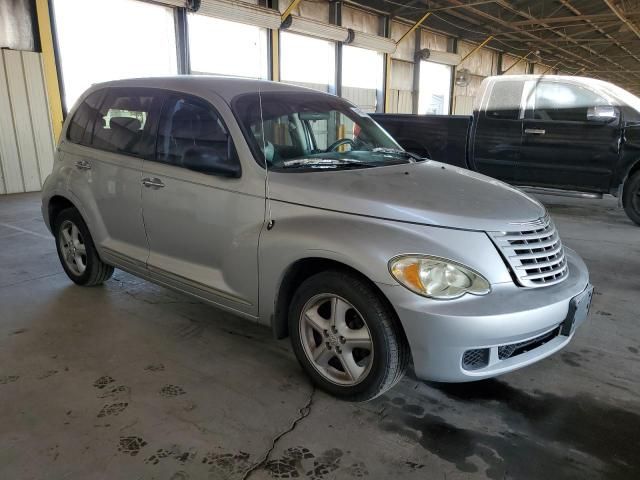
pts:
pixel 26 139
pixel 520 67
pixel 9 158
pixel 407 48
pixel 39 112
pixel 433 41
pixel 22 120
pixel 483 62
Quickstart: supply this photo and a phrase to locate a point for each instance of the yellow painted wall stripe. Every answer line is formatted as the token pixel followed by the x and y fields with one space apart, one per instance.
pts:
pixel 49 66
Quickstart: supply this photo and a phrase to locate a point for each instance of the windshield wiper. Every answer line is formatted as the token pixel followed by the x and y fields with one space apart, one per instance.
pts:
pixel 325 163
pixel 394 151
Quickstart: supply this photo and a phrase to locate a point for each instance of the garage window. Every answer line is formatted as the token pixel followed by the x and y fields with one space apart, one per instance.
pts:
pixel 227 48
pixel 103 40
pixel 435 88
pixel 362 72
pixel 306 61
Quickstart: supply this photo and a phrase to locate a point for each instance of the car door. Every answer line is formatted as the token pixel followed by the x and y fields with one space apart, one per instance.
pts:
pixel 497 131
pixel 107 162
pixel 560 147
pixel 202 228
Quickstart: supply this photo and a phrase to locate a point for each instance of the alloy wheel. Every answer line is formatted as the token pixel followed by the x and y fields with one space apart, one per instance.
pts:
pixel 336 339
pixel 74 250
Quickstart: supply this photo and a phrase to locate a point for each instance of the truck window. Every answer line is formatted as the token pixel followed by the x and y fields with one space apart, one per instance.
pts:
pixel 504 102
pixel 564 102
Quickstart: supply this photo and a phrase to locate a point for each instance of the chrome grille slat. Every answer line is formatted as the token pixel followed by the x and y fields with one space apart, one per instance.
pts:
pixel 531 256
pixel 534 253
pixel 545 274
pixel 527 237
pixel 549 263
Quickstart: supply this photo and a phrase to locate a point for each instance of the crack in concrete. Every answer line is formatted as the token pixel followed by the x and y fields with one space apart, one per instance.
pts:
pixel 302 414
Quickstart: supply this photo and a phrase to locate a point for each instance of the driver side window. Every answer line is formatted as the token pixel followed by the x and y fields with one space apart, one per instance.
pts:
pixel 564 102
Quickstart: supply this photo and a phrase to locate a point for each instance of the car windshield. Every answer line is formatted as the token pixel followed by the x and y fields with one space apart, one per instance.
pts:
pixel 314 131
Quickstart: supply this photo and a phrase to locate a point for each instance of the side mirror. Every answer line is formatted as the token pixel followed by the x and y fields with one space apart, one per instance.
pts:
pixel 602 114
pixel 220 160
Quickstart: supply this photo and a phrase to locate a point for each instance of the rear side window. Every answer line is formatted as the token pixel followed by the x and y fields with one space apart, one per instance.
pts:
pixel 504 102
pixel 187 123
pixel 81 124
pixel 125 122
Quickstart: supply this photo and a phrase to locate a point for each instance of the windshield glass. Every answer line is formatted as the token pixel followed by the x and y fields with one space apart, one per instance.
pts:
pixel 311 131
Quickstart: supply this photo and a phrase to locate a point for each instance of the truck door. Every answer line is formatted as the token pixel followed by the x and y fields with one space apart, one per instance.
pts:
pixel 497 131
pixel 561 148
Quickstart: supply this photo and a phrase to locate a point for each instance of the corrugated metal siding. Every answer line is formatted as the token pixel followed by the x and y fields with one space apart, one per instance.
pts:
pixel 26 138
pixel 365 98
pixel 508 61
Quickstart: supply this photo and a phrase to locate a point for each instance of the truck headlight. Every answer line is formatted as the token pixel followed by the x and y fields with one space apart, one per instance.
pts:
pixel 436 277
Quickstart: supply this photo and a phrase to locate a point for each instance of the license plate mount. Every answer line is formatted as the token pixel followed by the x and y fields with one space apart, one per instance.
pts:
pixel 578 311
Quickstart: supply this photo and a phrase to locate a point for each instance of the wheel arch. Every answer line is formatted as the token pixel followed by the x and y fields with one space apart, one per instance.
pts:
pixel 57 204
pixel 304 268
pixel 633 169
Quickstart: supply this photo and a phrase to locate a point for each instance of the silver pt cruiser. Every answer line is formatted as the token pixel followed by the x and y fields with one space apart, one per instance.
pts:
pixel 293 208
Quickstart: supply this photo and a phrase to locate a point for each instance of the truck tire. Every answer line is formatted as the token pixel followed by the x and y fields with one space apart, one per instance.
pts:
pixel 631 197
pixel 76 250
pixel 346 337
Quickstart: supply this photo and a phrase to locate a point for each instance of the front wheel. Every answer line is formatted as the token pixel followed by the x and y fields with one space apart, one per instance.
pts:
pixel 631 198
pixel 76 250
pixel 346 337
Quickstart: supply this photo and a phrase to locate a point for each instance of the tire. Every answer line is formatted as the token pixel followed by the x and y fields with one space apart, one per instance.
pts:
pixel 330 317
pixel 76 250
pixel 631 197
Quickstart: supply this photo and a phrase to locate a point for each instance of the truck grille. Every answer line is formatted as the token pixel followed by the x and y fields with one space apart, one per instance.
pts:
pixel 535 254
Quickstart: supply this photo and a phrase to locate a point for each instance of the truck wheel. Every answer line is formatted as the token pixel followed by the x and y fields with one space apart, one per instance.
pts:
pixel 345 337
pixel 76 250
pixel 631 198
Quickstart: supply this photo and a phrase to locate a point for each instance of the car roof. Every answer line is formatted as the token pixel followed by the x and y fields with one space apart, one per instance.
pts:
pixel 225 87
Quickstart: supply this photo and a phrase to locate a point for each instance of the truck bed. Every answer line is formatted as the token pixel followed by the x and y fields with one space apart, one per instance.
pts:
pixel 445 141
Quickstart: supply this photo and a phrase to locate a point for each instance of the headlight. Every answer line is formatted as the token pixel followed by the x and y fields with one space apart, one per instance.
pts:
pixel 436 277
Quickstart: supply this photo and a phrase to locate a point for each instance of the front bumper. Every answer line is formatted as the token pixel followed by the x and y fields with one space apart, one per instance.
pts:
pixel 440 332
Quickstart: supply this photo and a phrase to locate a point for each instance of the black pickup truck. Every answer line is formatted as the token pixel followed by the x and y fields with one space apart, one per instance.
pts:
pixel 553 134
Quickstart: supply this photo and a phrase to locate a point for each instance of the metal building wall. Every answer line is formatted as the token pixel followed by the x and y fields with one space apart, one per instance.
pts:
pixel 26 138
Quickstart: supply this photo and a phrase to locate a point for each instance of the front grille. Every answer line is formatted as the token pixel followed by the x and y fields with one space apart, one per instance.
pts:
pixel 535 253
pixel 475 359
pixel 508 351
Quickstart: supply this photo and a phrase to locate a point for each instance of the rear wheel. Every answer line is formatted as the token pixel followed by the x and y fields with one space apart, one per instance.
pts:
pixel 76 250
pixel 631 197
pixel 346 337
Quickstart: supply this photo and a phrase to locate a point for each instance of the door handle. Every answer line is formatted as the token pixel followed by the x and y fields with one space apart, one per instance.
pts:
pixel 154 183
pixel 83 165
pixel 535 131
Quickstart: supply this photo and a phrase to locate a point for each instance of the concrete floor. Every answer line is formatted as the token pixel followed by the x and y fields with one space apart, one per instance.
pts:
pixel 131 380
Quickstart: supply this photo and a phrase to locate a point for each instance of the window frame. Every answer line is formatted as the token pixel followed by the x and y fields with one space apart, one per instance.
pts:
pixel 169 98
pixel 102 93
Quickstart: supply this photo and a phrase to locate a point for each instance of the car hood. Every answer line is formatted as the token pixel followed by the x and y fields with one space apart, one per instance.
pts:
pixel 426 193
